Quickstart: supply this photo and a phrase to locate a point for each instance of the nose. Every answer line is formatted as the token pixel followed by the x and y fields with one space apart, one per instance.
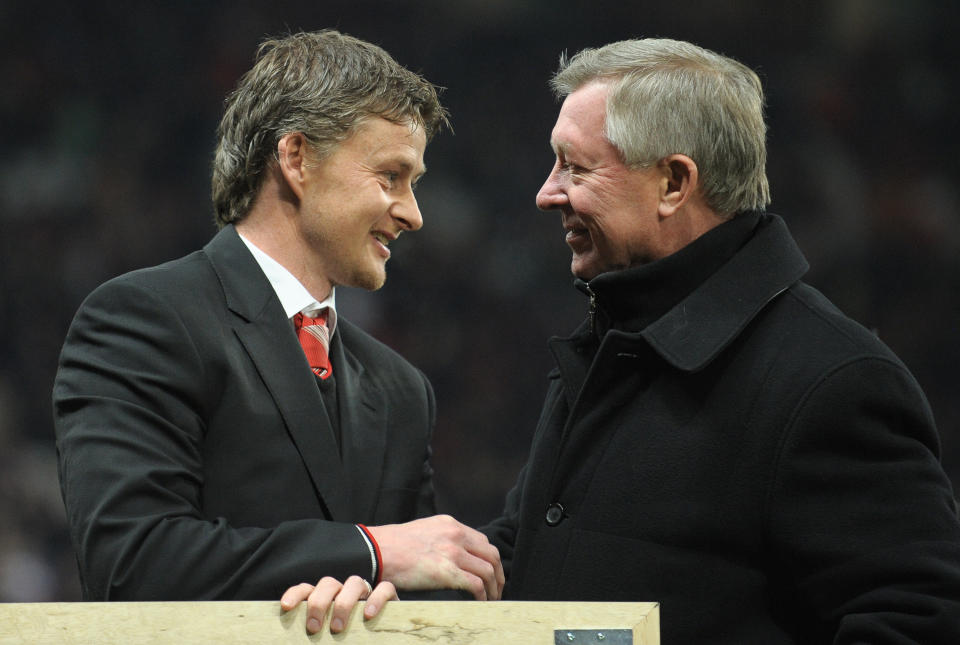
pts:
pixel 552 194
pixel 406 212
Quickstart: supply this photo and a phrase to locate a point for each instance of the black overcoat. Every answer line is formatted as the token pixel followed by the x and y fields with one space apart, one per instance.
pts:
pixel 754 460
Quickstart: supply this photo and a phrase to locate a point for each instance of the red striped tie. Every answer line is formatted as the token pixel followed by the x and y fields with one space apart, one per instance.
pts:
pixel 315 339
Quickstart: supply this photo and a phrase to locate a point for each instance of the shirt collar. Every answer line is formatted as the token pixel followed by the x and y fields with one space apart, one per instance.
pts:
pixel 293 296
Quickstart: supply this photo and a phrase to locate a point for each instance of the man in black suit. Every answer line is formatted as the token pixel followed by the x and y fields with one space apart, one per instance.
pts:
pixel 200 456
pixel 716 435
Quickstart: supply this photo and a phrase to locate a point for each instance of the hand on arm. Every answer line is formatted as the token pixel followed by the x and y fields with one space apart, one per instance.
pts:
pixel 439 553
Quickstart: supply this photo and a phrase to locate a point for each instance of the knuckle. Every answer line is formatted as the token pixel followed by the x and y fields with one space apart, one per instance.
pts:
pixel 303 589
pixel 329 585
pixel 450 524
pixel 448 551
pixel 476 587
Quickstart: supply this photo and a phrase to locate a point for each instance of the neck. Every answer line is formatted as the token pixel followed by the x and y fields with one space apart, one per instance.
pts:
pixel 687 225
pixel 271 227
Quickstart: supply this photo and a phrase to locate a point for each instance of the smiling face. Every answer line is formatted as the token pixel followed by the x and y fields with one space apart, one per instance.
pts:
pixel 358 199
pixel 609 211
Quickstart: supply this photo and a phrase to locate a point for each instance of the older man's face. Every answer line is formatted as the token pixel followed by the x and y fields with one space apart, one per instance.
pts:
pixel 609 211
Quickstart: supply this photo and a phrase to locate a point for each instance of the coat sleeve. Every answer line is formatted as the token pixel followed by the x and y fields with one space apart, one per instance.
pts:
pixel 130 401
pixel 861 514
pixel 502 531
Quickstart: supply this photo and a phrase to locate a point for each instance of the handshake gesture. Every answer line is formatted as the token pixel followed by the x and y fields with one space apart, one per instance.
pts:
pixel 431 553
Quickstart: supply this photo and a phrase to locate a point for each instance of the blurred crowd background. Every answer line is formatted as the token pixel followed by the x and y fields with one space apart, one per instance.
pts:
pixel 107 119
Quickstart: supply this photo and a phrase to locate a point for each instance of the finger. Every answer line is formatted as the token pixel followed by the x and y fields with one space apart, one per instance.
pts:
pixel 486 572
pixel 353 590
pixel 295 595
pixel 473 584
pixel 478 545
pixel 494 553
pixel 318 602
pixel 491 554
pixel 380 596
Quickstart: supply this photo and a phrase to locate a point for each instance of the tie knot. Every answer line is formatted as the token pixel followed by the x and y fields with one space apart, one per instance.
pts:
pixel 315 339
pixel 302 320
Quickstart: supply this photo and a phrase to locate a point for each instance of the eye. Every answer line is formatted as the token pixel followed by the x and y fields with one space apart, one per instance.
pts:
pixel 565 165
pixel 571 168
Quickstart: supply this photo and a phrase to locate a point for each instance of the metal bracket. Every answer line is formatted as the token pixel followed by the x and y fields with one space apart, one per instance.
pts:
pixel 593 637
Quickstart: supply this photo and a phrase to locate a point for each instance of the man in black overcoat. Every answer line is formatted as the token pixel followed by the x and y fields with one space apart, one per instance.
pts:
pixel 716 435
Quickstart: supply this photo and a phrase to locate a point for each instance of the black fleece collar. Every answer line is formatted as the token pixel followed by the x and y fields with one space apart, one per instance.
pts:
pixel 690 305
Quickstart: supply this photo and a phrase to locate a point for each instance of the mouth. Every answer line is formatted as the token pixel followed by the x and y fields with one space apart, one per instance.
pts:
pixel 383 241
pixel 576 234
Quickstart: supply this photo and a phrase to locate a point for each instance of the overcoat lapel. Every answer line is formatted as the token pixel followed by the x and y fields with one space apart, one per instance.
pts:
pixel 265 332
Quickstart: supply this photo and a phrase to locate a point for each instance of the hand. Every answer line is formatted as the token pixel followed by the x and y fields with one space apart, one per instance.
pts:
pixel 344 598
pixel 439 553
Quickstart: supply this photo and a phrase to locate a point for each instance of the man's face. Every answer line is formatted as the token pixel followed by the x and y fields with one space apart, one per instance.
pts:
pixel 360 198
pixel 609 211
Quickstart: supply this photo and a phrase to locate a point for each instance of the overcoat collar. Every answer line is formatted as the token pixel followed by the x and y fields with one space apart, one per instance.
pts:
pixel 696 329
pixel 266 334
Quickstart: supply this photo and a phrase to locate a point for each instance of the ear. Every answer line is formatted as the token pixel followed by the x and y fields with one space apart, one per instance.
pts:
pixel 679 182
pixel 291 161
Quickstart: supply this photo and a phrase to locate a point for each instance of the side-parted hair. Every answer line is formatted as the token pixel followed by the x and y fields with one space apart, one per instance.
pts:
pixel 322 84
pixel 672 97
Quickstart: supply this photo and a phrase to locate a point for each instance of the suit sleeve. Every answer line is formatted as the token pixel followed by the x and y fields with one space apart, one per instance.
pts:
pixel 426 498
pixel 130 401
pixel 863 516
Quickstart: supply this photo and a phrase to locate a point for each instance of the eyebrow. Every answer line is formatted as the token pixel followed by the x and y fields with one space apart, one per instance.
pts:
pixel 407 166
pixel 417 176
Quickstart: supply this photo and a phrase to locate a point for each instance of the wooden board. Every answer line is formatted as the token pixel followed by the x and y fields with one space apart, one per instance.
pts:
pixel 400 622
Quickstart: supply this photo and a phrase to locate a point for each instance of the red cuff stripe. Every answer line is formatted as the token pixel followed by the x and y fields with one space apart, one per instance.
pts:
pixel 376 549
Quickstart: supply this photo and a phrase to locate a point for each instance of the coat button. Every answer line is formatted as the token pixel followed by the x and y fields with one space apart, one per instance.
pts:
pixel 554 514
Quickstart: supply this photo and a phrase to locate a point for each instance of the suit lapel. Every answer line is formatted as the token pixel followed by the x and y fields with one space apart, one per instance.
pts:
pixel 363 423
pixel 265 332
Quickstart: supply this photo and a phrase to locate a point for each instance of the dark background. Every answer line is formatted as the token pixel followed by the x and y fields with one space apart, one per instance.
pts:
pixel 107 118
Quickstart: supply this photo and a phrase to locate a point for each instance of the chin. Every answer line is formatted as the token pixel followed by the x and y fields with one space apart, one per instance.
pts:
pixel 584 273
pixel 369 281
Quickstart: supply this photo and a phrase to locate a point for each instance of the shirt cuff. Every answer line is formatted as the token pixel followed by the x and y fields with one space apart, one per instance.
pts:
pixel 375 559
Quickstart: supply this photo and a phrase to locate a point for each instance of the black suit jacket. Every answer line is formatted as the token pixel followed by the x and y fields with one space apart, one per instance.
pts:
pixel 196 457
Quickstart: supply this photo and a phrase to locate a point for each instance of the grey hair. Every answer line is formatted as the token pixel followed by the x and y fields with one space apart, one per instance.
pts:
pixel 668 97
pixel 322 84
